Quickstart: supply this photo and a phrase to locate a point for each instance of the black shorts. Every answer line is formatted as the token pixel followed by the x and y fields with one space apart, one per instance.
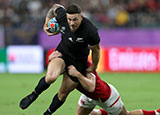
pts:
pixel 79 64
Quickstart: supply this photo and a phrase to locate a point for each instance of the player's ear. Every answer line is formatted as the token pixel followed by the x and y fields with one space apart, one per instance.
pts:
pixel 81 16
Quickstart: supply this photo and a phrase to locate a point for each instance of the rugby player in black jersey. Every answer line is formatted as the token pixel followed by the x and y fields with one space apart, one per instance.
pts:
pixel 79 35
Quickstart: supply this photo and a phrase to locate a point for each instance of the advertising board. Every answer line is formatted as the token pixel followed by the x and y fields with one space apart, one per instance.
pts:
pixel 25 59
pixel 3 61
pixel 133 59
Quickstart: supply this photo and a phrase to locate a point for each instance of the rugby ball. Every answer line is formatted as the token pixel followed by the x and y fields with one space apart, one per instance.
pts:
pixel 53 25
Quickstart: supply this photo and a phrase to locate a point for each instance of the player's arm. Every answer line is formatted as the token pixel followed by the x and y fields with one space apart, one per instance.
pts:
pixel 88 82
pixel 51 13
pixel 95 57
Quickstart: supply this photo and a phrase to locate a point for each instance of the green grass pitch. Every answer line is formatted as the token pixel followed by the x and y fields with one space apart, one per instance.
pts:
pixel 137 90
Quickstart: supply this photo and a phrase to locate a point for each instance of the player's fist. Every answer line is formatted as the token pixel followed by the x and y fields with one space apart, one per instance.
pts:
pixel 48 32
pixel 55 54
pixel 72 71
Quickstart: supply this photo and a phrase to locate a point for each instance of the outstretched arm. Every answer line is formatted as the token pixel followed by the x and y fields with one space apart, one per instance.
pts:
pixel 88 82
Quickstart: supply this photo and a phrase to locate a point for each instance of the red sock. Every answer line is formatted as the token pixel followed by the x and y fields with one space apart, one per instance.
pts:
pixel 148 112
pixel 158 110
pixel 103 112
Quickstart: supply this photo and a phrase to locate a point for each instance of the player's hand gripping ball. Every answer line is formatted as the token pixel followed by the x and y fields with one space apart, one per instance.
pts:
pixel 53 25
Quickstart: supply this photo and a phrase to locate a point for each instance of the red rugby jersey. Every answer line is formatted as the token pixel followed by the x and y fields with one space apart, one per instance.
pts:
pixel 102 90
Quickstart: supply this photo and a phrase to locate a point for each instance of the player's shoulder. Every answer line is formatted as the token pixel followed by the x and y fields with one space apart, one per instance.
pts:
pixel 89 25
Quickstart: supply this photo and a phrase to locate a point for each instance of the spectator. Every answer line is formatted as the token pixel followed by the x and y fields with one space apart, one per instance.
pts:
pixel 21 14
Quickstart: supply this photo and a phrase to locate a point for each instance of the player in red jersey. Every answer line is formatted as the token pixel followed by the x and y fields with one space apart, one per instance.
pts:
pixel 97 92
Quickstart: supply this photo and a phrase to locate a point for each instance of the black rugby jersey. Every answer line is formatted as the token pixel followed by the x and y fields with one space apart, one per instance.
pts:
pixel 75 45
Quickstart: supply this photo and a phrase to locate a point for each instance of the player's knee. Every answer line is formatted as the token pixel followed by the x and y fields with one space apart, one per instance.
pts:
pixel 50 78
pixel 78 112
pixel 81 112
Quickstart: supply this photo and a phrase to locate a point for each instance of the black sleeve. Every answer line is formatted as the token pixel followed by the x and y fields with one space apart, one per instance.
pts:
pixel 61 16
pixel 50 13
pixel 93 37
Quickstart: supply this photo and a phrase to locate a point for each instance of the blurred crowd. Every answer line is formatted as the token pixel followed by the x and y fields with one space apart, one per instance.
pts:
pixel 23 19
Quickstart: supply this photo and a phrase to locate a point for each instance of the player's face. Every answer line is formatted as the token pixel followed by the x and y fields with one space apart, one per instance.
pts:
pixel 74 21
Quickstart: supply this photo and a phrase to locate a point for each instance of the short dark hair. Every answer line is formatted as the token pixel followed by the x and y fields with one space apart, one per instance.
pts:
pixel 73 9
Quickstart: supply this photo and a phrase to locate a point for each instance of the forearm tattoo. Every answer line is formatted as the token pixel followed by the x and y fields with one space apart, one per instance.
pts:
pixel 51 13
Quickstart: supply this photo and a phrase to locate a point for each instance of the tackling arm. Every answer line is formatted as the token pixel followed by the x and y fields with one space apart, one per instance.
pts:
pixel 88 82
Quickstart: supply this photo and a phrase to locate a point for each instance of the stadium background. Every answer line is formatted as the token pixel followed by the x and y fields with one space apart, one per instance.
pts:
pixel 130 51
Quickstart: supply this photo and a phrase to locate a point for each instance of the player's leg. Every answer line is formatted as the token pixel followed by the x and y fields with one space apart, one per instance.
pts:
pixel 124 111
pixel 84 111
pixel 144 112
pixel 103 112
pixel 98 112
pixel 95 112
pixel 113 105
pixel 139 112
pixel 54 69
pixel 85 105
pixel 66 87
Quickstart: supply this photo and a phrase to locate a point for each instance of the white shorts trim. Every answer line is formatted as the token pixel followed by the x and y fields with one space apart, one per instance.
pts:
pixel 113 105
